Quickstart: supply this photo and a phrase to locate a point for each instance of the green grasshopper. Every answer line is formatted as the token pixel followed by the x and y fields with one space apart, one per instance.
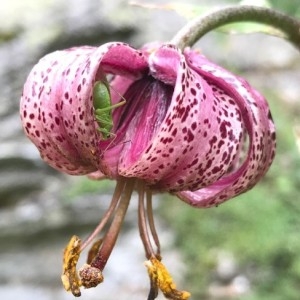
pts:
pixel 103 108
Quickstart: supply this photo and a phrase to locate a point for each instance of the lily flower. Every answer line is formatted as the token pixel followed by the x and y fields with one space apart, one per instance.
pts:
pixel 188 127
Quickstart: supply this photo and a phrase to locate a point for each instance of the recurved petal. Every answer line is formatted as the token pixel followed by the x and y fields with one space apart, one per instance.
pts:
pixel 198 138
pixel 258 123
pixel 57 108
pixel 46 98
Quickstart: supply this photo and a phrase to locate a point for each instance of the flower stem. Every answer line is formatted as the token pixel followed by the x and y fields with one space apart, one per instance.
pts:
pixel 198 27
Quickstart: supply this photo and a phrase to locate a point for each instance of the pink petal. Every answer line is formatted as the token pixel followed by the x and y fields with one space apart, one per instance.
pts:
pixel 56 105
pixel 259 125
pixel 187 151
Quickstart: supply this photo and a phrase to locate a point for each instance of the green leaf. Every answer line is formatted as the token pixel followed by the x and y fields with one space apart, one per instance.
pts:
pixel 249 28
pixel 262 3
pixel 188 11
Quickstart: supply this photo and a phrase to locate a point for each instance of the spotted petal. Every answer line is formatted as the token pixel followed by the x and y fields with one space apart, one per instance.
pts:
pixel 57 108
pixel 182 130
pixel 259 126
pixel 199 136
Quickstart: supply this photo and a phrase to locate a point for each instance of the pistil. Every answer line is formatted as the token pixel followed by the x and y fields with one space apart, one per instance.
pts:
pixel 111 236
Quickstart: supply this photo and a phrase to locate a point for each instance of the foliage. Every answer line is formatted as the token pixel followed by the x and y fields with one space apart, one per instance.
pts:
pixel 290 7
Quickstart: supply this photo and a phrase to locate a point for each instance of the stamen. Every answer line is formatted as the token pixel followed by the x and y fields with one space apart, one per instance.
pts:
pixel 151 222
pixel 69 277
pixel 143 228
pixel 116 197
pixel 93 251
pixel 110 238
pixel 90 275
pixel 161 278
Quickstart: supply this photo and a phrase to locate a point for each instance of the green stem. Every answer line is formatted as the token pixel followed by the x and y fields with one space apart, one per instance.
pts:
pixel 198 27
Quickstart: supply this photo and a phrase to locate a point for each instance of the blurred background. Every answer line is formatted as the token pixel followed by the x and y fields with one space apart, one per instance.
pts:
pixel 248 248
